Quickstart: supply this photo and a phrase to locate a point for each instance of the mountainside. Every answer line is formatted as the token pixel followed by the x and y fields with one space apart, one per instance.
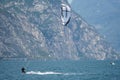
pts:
pixel 104 15
pixel 33 29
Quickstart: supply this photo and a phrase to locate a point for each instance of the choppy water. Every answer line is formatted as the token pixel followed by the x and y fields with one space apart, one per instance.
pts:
pixel 59 70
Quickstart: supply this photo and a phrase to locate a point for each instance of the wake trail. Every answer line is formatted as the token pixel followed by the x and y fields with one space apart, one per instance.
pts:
pixel 51 73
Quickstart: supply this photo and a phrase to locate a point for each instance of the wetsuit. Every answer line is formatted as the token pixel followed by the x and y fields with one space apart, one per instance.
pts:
pixel 23 70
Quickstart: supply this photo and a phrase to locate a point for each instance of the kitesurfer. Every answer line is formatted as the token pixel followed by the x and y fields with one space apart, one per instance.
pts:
pixel 23 70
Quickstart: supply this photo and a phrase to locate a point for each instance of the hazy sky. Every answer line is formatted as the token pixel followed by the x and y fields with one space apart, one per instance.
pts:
pixel 70 1
pixel 104 15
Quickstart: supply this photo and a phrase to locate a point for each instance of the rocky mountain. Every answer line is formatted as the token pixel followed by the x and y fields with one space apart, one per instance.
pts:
pixel 104 15
pixel 33 29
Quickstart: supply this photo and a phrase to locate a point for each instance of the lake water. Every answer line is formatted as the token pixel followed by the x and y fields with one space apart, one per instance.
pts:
pixel 59 70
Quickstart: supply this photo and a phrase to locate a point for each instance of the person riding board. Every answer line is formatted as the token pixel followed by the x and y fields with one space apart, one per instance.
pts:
pixel 23 70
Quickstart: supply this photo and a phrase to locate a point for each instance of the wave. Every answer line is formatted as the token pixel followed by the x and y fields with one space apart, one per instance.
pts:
pixel 51 73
